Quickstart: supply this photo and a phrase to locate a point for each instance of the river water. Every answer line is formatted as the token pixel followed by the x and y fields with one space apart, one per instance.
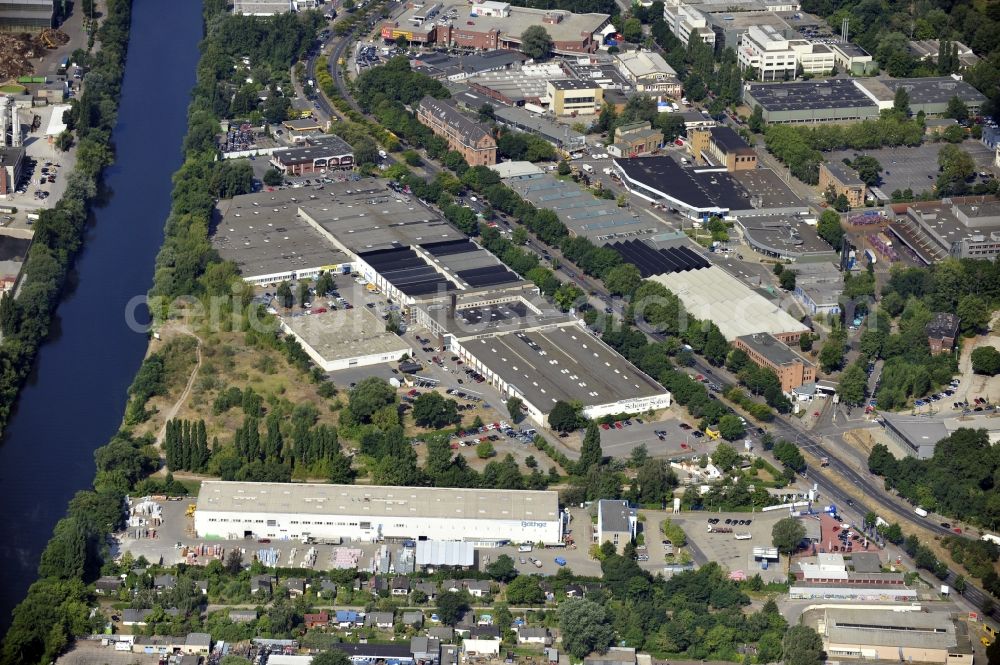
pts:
pixel 74 401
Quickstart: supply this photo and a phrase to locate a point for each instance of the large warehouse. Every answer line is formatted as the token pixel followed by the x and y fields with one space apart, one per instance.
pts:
pixel 234 510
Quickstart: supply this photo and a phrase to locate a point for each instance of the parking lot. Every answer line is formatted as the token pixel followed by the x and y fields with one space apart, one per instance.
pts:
pixel 663 438
pixel 915 168
pixel 39 150
pixel 722 548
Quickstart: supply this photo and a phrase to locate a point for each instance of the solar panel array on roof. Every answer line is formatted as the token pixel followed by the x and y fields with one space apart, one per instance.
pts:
pixel 488 276
pixel 448 247
pixel 406 271
pixel 651 261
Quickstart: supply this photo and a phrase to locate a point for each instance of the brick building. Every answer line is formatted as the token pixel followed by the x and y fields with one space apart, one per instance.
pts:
pixel 637 138
pixel 463 134
pixel 942 332
pixel 722 146
pixel 842 180
pixel 765 351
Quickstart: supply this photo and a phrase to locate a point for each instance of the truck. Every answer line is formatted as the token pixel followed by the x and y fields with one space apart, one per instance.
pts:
pixel 743 536
pixel 870 255
pixel 824 461
pixel 920 511
pixel 588 168
pixel 526 547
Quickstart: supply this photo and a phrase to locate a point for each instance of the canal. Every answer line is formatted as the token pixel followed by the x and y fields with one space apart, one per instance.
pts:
pixel 74 400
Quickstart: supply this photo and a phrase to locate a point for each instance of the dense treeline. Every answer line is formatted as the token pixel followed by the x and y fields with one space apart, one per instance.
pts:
pixel 271 44
pixel 59 231
pixel 959 480
pixel 967 287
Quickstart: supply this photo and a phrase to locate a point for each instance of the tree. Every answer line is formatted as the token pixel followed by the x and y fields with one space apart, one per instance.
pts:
pixel 234 561
pixel 868 169
pixel 731 427
pixel 787 280
pixel 632 30
pixel 787 534
pixel 515 407
pixel 957 109
pixel 563 168
pixel 564 417
pixel 451 606
pixel 331 657
pixel 829 228
pixel 284 295
pixel 432 410
pixel 487 113
pixel 986 360
pixel 485 450
pixel 273 177
pixel 831 356
pixel 756 120
pixel 369 396
pixel 502 569
pixel 802 646
pixel 901 101
pixel 536 42
pixel 725 457
pixel 591 454
pixel 64 141
pixel 623 279
pixel 585 627
pixel 974 313
pixel 525 590
pixel 853 382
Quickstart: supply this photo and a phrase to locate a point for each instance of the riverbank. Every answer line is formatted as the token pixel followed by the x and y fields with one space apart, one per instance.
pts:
pixel 108 231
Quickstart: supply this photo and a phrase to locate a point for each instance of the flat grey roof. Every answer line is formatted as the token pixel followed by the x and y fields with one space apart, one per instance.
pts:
pixel 572 84
pixel 935 90
pixel 378 501
pixel 777 352
pixel 769 188
pixel 366 215
pixel 551 131
pixel 809 95
pixel 583 213
pixel 787 235
pixel 843 173
pixel 263 234
pixel 866 562
pixel 345 333
pixel 562 364
pixel 929 630
pixel 918 430
pixel 615 515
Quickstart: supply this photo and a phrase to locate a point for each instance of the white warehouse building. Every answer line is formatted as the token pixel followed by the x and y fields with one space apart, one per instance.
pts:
pixel 236 510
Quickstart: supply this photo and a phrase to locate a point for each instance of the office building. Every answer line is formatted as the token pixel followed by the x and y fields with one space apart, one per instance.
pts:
pixel 616 523
pixel 571 97
pixel 686 22
pixel 463 134
pixel 960 227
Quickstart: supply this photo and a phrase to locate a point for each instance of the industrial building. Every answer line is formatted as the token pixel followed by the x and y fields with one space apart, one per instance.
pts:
pixel 838 179
pixel 494 25
pixel 11 167
pixel 269 242
pixel 833 100
pixel 904 634
pixel 853 59
pixel 786 237
pixel 237 510
pixel 819 286
pixel 475 143
pixel 960 227
pixel 928 50
pixel 930 94
pixel 765 351
pixel 447 67
pixel 559 135
pixel 317 153
pixel 712 294
pixel 27 15
pixel 585 215
pixel 344 338
pixel 917 435
pixel 635 139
